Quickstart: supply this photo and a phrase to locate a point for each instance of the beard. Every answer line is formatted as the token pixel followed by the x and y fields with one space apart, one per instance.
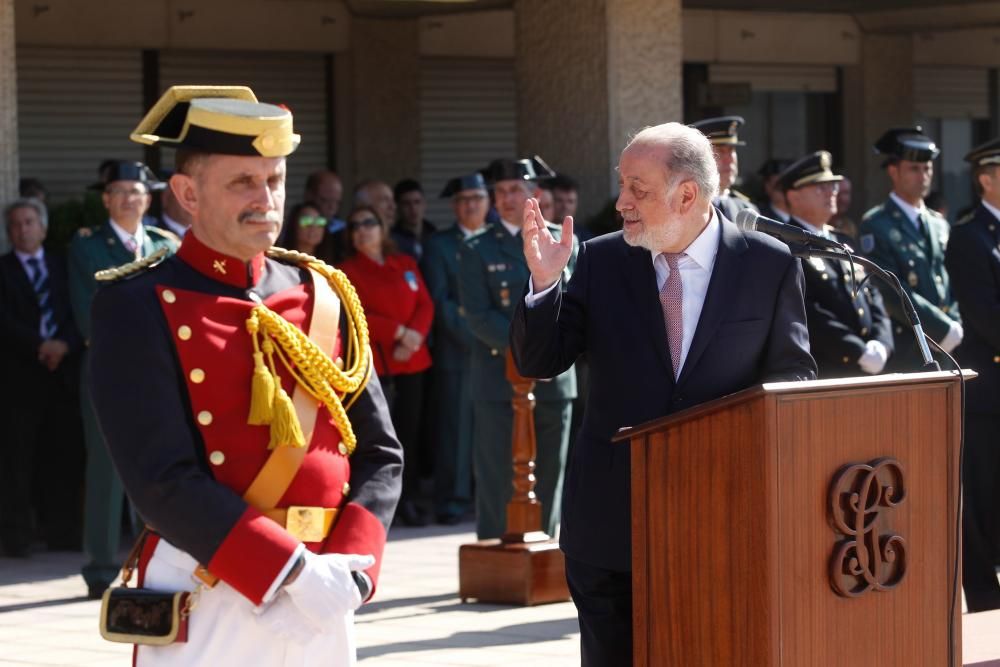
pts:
pixel 652 238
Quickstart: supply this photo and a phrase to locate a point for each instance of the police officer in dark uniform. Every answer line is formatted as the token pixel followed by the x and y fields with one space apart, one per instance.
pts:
pixel 723 132
pixel 451 403
pixel 233 382
pixel 849 331
pixel 492 277
pixel 907 238
pixel 973 261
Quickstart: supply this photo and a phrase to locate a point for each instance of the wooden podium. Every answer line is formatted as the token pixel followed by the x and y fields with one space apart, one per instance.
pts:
pixel 800 523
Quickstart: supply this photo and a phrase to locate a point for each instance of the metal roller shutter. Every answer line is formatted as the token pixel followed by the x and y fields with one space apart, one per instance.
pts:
pixel 295 80
pixel 468 116
pixel 951 92
pixel 76 107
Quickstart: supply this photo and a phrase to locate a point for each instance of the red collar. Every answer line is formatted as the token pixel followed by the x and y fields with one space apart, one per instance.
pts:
pixel 220 267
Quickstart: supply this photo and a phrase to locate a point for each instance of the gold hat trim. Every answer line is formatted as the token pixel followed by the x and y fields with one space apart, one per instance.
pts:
pixel 818 177
pixel 175 95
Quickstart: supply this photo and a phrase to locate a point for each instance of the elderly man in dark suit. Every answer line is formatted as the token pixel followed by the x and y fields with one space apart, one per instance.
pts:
pixel 677 309
pixel 41 457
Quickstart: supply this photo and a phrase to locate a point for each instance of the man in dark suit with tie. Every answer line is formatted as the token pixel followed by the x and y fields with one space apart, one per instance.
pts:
pixel 973 261
pixel 849 330
pixel 677 309
pixel 41 456
pixel 124 238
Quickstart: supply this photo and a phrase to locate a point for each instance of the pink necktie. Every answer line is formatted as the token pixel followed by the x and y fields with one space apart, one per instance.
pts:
pixel 672 302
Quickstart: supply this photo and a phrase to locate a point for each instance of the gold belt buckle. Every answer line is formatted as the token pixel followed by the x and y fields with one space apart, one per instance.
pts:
pixel 306 523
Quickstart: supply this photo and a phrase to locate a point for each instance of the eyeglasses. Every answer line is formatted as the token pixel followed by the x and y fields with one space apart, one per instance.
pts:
pixel 358 224
pixel 127 192
pixel 312 221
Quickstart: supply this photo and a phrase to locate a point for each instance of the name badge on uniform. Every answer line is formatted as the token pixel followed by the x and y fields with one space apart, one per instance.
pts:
pixel 411 279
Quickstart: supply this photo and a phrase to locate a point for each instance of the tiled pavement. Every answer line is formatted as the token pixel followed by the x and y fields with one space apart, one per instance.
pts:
pixel 417 618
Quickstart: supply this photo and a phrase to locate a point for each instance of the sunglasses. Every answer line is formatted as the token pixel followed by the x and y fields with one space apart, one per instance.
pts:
pixel 367 222
pixel 312 221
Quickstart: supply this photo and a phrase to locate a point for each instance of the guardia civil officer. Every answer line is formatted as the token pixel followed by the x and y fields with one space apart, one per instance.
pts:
pixel 723 133
pixel 905 237
pixel 126 189
pixel 973 261
pixel 452 345
pixel 849 330
pixel 492 277
pixel 234 384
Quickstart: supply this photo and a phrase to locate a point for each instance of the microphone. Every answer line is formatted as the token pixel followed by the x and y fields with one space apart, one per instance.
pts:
pixel 751 221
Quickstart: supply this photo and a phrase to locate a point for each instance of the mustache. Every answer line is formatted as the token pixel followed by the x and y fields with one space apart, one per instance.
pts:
pixel 257 216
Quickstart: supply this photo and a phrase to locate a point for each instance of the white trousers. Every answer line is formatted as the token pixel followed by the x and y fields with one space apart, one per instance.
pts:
pixel 224 630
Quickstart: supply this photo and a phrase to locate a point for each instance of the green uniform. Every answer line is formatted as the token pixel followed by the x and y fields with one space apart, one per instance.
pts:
pixel 92 251
pixel 450 403
pixel 492 277
pixel 916 256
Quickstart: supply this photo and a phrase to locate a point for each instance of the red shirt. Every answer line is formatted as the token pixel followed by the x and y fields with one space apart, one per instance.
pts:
pixel 392 294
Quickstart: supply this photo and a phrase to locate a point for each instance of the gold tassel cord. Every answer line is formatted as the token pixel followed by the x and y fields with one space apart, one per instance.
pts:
pixel 310 366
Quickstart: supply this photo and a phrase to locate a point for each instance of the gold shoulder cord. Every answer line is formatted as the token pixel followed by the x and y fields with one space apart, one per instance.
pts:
pixel 311 367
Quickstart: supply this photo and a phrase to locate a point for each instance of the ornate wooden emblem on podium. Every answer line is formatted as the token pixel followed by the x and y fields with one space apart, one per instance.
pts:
pixel 525 566
pixel 869 557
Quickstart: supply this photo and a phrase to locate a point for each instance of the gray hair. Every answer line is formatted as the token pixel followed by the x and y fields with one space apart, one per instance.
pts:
pixel 26 202
pixel 688 155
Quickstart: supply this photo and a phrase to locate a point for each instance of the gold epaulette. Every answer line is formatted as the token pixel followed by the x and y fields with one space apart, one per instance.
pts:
pixel 132 268
pixel 165 233
pixel 292 256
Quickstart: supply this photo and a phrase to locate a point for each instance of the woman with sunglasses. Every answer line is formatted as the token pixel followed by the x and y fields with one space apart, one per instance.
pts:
pixel 399 312
pixel 306 231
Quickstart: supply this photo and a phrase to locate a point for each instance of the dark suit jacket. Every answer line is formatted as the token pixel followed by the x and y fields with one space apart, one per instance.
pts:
pixel 973 262
pixel 840 323
pixel 20 317
pixel 752 329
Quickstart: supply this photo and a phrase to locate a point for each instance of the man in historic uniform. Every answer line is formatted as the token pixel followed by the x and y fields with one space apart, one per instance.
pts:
pixel 234 385
pixel 451 403
pixel 907 238
pixel 849 330
pixel 492 274
pixel 126 188
pixel 973 261
pixel 723 133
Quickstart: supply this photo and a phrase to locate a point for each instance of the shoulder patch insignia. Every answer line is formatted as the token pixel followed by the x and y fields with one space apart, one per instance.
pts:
pixel 132 268
pixel 165 233
pixel 867 243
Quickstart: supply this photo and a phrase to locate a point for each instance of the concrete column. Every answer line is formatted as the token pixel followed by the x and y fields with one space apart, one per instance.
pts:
pixel 589 74
pixel 8 111
pixel 385 100
pixel 878 95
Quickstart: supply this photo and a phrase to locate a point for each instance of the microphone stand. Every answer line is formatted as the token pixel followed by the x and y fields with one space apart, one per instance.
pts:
pixel 889 278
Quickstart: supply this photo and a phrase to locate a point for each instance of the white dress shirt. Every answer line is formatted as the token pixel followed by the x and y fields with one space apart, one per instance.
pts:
pixel 992 209
pixel 696 273
pixel 24 257
pixel 174 226
pixel 513 229
pixel 783 216
pixel 139 237
pixel 911 211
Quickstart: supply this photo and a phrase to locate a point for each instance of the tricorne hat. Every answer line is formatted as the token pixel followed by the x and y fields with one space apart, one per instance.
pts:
pixel 533 169
pixel 110 171
pixel 218 119
pixel 906 143
pixel 473 181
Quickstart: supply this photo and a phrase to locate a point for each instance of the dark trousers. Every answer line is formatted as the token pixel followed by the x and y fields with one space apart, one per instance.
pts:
pixel 452 434
pixel 981 512
pixel 603 600
pixel 406 407
pixel 41 463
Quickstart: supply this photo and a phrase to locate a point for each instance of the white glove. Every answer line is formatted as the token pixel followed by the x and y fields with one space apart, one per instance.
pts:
pixel 953 338
pixel 283 619
pixel 874 358
pixel 325 590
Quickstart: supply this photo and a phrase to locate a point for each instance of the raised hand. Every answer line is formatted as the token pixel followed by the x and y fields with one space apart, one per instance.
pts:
pixel 546 257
